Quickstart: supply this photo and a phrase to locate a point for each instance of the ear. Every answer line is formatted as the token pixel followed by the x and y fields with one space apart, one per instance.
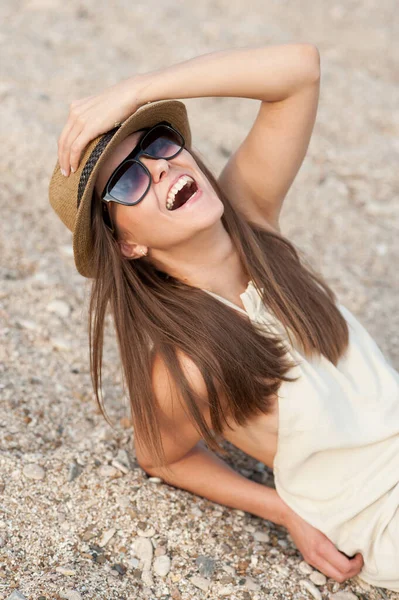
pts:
pixel 131 250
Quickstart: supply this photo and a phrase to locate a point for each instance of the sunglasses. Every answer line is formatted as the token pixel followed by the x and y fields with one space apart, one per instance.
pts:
pixel 131 180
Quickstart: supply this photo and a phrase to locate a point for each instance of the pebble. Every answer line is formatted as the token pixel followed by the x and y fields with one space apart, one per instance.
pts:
pixel 200 582
pixel 3 540
pixel 160 551
pixel 33 471
pixel 59 307
pixel 107 471
pixel 74 471
pixel 106 536
pixel 206 566
pixel 343 596
pixel 60 344
pixel 16 596
pixel 197 512
pixel 250 584
pixel 70 595
pixel 120 466
pixel 261 536
pixel 312 589
pixel 318 578
pixel 162 565
pixel 283 570
pixel 133 563
pixel 147 533
pixel 65 571
pixel 155 480
pixel 226 590
pixel 123 501
pixel 305 568
pixel 363 584
pixel 26 324
pixel 143 549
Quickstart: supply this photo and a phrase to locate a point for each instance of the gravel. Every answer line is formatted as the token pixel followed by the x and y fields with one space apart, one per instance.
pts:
pixel 79 519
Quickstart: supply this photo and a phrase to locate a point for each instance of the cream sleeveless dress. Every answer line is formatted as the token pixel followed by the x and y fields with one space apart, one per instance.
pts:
pixel 337 460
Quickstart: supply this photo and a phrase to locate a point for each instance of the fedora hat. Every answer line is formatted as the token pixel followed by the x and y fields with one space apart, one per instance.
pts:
pixel 71 196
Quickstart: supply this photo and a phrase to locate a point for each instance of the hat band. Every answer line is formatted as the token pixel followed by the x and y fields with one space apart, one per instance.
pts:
pixel 91 162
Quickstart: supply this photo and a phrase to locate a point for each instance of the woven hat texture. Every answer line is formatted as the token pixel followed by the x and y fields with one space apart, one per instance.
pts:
pixel 71 196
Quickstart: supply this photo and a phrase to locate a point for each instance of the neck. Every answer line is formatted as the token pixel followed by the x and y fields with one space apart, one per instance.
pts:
pixel 209 262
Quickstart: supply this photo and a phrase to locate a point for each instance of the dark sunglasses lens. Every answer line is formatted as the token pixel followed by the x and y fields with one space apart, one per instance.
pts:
pixel 129 183
pixel 162 142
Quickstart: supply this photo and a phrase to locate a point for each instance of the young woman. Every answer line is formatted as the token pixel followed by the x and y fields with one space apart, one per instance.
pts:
pixel 223 331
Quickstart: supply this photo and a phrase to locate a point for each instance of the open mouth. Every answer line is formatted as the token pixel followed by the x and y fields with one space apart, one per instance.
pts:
pixel 176 199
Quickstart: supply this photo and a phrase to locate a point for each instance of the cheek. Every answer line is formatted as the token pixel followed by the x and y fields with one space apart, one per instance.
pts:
pixel 134 219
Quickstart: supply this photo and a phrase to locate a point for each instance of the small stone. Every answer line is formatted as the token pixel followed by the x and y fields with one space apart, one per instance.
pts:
pixel 16 596
pixel 33 471
pixel 120 466
pixel 65 571
pixel 160 551
pixel 305 568
pixel 146 534
pixel 3 540
pixel 60 344
pixel 261 536
pixel 250 584
pixel 239 512
pixel 200 582
pixel 155 480
pixel 74 471
pixel 143 549
pixel 318 578
pixel 26 324
pixel 206 566
pixel 197 512
pixel 70 595
pixel 107 471
pixel 120 569
pixel 106 536
pixel 123 501
pixel 283 570
pixel 363 584
pixel 312 589
pixel 59 307
pixel 162 565
pixel 133 563
pixel 225 591
pixel 343 596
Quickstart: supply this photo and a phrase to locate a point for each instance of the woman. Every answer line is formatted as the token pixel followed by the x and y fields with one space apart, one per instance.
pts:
pixel 223 330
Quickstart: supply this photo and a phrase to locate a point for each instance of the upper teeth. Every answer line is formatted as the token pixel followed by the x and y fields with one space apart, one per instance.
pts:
pixel 175 188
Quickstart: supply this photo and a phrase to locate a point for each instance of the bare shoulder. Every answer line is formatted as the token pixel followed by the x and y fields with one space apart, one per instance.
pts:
pixel 177 428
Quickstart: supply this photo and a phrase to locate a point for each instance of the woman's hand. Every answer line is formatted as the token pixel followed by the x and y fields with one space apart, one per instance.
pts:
pixel 93 115
pixel 319 551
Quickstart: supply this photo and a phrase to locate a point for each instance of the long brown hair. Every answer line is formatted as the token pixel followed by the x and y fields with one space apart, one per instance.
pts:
pixel 157 314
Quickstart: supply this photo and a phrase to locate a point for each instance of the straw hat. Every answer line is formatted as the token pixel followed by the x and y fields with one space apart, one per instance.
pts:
pixel 71 196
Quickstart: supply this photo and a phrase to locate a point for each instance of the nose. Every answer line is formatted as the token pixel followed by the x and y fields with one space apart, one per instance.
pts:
pixel 159 168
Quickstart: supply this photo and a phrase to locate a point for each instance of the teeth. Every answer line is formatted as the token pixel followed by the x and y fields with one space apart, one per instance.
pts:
pixel 175 188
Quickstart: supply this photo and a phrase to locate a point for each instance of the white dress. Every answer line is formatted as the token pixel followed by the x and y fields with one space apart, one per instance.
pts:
pixel 337 460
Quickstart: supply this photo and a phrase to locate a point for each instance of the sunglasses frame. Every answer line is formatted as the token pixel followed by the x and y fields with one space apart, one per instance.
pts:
pixel 133 157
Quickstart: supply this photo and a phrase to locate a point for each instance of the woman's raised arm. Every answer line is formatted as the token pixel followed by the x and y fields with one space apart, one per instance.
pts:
pixel 267 73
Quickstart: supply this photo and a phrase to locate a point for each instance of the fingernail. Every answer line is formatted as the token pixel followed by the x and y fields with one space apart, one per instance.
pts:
pixel 63 172
pixel 73 170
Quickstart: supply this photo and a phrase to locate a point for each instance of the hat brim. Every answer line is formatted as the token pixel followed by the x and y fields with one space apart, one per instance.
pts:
pixel 175 113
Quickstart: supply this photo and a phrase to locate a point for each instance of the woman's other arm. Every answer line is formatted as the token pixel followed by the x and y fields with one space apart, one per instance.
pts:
pixel 191 465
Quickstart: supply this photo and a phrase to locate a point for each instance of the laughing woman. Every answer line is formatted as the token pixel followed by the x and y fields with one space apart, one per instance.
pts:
pixel 223 331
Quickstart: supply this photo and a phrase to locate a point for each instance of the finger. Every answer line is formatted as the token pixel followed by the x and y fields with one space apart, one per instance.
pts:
pixel 62 142
pixel 69 149
pixel 77 147
pixel 340 567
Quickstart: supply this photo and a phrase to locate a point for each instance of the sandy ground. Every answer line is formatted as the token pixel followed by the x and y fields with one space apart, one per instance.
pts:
pixel 73 500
